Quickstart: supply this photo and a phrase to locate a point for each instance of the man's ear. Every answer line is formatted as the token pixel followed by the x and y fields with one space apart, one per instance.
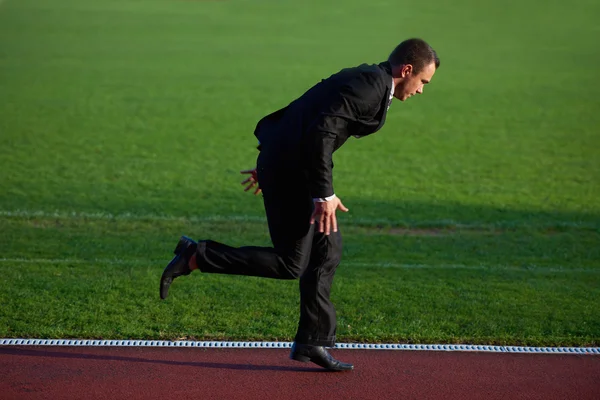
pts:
pixel 407 69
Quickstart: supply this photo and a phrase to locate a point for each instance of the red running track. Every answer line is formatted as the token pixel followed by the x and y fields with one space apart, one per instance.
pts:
pixel 185 373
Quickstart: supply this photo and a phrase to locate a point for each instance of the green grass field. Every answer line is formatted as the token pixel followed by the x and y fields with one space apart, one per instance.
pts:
pixel 474 213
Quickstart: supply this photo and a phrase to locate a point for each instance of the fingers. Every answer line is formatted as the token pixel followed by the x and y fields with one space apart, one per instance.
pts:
pixel 317 213
pixel 251 182
pixel 312 217
pixel 326 217
pixel 322 219
pixel 342 207
pixel 253 175
pixel 251 185
pixel 327 223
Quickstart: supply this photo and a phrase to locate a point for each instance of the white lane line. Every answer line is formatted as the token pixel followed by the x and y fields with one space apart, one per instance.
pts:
pixel 286 345
pixel 126 216
pixel 523 268
pixel 149 262
pixel 253 218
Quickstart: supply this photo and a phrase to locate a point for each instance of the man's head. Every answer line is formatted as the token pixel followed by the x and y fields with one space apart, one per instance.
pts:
pixel 413 64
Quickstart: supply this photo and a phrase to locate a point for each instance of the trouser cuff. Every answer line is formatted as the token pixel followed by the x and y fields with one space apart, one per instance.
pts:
pixel 201 258
pixel 314 340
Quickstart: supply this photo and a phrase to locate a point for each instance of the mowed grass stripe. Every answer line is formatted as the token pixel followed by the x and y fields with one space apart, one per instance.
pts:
pixel 380 264
pixel 111 288
pixel 89 239
pixel 91 278
pixel 373 305
pixel 446 223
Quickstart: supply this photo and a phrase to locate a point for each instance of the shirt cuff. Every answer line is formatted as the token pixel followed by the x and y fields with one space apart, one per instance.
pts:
pixel 323 199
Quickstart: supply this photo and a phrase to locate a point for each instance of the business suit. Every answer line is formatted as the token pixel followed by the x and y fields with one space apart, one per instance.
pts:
pixel 294 167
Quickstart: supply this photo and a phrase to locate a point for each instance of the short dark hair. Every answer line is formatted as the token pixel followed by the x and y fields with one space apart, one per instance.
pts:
pixel 415 52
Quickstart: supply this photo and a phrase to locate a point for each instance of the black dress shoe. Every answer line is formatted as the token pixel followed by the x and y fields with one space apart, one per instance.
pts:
pixel 319 355
pixel 178 265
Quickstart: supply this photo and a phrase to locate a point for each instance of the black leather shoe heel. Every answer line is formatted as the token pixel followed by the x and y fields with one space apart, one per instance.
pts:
pixel 183 244
pixel 318 355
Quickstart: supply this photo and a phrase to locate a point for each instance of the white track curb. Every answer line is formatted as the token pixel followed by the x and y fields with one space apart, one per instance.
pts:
pixel 272 345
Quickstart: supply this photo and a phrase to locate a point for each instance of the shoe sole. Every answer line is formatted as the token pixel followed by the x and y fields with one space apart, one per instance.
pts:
pixel 299 357
pixel 167 276
pixel 305 359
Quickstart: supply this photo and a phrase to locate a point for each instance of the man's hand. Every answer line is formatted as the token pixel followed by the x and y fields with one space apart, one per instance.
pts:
pixel 251 181
pixel 325 214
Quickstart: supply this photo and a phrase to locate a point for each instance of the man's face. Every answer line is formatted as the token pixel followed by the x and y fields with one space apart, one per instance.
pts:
pixel 412 83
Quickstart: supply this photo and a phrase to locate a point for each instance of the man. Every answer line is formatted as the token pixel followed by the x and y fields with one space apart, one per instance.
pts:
pixel 294 172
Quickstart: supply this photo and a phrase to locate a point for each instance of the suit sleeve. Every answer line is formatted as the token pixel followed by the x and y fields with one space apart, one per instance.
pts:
pixel 358 99
pixel 320 164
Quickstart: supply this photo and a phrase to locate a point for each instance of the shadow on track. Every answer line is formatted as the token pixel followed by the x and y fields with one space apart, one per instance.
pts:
pixel 245 367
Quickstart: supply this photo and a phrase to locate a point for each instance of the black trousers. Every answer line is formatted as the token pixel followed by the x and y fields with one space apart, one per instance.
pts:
pixel 299 251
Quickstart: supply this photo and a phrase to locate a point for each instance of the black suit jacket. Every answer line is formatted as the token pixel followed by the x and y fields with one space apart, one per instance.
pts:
pixel 304 135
